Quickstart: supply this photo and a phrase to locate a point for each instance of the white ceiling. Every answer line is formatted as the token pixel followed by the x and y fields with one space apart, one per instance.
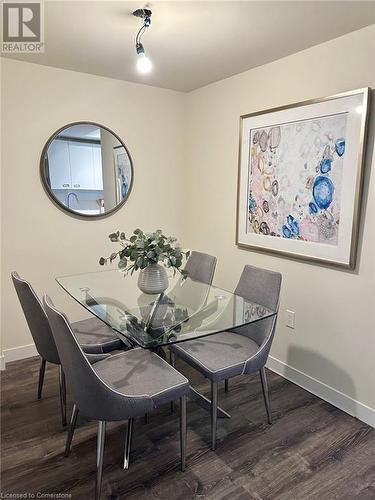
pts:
pixel 191 44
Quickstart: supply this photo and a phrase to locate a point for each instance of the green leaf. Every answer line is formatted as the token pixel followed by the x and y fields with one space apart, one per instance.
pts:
pixel 122 263
pixel 113 237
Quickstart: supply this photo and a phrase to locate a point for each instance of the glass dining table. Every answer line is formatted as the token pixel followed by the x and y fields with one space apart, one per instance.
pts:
pixel 187 310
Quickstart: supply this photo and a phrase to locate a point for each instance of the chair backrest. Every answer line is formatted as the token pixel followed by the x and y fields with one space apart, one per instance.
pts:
pixel 36 319
pixel 262 287
pixel 259 285
pixel 201 267
pixel 94 398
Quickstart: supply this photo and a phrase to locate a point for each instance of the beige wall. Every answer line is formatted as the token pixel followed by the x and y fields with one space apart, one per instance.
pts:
pixel 42 242
pixel 334 338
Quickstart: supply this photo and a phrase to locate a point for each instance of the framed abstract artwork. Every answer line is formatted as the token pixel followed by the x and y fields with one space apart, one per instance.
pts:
pixel 300 178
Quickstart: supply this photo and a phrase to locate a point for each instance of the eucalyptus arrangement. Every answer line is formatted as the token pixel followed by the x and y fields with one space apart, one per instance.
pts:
pixel 146 251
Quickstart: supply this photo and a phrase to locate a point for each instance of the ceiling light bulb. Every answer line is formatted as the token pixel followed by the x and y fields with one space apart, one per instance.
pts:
pixel 144 65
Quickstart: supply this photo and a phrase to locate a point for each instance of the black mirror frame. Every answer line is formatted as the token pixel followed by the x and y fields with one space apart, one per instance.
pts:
pixel 47 187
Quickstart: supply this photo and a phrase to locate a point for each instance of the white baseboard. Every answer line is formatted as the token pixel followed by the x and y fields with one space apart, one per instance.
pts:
pixel 323 391
pixel 21 352
pixel 2 362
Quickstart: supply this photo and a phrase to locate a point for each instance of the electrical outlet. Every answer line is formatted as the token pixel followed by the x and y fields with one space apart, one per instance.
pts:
pixel 290 319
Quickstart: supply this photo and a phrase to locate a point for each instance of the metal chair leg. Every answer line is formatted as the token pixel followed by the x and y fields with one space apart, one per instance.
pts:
pixel 263 379
pixel 172 362
pixel 213 414
pixel 226 385
pixel 99 458
pixel 128 443
pixel 183 431
pixel 172 358
pixel 62 396
pixel 42 371
pixel 69 438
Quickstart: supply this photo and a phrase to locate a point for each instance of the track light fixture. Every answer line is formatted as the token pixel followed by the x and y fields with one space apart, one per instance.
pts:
pixel 144 65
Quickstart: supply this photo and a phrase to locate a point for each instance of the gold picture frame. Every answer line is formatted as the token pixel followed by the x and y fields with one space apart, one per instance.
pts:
pixel 333 237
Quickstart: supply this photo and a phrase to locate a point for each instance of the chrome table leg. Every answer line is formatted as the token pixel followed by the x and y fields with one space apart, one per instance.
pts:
pixel 206 403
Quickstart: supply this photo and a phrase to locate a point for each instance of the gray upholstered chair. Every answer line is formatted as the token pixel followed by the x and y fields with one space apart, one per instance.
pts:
pixel 120 387
pixel 242 350
pixel 94 336
pixel 201 267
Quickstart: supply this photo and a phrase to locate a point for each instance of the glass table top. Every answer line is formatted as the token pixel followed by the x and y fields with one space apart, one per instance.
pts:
pixel 187 310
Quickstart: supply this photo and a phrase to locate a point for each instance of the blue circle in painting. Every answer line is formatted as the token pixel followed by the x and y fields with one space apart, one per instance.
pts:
pixel 313 208
pixel 252 205
pixel 323 191
pixel 325 165
pixel 340 146
pixel 293 224
pixel 286 231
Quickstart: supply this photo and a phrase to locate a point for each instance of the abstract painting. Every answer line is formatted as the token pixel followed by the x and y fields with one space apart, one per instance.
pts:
pixel 295 179
pixel 299 178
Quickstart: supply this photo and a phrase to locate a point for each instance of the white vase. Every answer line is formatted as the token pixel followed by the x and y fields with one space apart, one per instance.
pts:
pixel 153 279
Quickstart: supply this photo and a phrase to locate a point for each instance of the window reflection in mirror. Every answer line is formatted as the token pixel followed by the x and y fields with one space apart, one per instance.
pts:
pixel 86 169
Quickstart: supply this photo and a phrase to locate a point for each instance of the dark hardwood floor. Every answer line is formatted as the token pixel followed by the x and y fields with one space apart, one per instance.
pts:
pixel 312 450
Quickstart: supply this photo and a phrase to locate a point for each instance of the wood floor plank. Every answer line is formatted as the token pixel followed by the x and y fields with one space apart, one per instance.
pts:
pixel 312 451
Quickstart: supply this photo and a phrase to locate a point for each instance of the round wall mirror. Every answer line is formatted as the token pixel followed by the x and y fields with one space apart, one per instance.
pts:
pixel 86 170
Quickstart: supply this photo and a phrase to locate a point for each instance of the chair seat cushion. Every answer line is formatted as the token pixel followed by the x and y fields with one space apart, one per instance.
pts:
pixel 95 336
pixel 139 372
pixel 218 356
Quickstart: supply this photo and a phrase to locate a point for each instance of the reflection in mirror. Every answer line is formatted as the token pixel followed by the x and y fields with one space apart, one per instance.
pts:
pixel 87 170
